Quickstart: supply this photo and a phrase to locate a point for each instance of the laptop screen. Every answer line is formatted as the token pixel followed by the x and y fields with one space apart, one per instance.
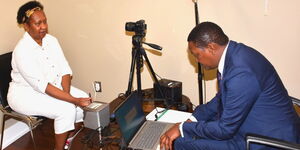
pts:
pixel 130 116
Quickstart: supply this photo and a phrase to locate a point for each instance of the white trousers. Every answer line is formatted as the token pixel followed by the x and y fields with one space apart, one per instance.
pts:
pixel 27 101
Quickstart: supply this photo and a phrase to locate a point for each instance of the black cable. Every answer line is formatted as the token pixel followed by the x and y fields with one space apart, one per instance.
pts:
pixel 121 95
pixel 85 139
pixel 107 138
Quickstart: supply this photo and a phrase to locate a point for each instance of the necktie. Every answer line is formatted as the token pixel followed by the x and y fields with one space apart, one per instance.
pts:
pixel 219 77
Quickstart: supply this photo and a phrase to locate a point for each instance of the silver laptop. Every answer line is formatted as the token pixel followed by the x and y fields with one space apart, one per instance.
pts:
pixel 137 132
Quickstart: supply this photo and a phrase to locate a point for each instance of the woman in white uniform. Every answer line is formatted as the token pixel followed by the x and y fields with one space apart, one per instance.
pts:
pixel 41 77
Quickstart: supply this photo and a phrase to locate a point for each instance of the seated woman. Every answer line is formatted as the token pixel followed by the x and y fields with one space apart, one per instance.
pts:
pixel 41 77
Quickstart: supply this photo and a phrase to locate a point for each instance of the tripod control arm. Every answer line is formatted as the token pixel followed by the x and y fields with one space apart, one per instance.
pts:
pixel 153 46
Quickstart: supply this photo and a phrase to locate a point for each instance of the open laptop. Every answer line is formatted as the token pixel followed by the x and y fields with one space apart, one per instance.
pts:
pixel 137 132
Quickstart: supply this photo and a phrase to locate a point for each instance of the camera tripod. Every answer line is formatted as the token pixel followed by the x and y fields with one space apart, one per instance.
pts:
pixel 138 54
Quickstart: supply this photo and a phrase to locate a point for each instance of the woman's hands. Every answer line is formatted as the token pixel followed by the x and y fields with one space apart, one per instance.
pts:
pixel 82 102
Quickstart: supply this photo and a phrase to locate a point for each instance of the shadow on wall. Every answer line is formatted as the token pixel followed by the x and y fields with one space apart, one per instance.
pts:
pixel 208 74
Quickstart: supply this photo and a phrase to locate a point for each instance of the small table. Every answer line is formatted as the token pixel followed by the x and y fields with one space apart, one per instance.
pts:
pixel 113 128
pixel 150 103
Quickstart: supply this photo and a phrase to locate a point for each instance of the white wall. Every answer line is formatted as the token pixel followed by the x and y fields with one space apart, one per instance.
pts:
pixel 92 34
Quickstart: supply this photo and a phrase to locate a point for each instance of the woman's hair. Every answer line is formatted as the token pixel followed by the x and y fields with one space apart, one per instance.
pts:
pixel 207 32
pixel 26 10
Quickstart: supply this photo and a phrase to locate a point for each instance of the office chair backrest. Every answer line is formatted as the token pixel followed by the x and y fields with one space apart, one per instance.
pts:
pixel 269 141
pixel 5 78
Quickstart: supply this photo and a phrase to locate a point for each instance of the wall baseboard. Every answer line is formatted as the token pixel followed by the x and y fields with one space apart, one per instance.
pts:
pixel 13 130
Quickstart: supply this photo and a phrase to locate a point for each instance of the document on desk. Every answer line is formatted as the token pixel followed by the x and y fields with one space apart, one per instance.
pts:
pixel 170 116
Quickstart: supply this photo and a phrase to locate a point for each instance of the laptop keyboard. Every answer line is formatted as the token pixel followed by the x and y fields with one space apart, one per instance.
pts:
pixel 148 136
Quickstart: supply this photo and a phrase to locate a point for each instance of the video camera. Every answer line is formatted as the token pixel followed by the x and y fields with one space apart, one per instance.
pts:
pixel 138 27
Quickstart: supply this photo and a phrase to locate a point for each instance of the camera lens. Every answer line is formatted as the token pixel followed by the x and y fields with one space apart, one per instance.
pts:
pixel 130 26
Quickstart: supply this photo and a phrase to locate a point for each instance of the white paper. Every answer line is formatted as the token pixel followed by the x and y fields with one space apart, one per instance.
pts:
pixel 170 116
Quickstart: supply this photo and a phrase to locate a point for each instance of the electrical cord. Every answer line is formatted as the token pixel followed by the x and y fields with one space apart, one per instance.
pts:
pixel 120 95
pixel 105 138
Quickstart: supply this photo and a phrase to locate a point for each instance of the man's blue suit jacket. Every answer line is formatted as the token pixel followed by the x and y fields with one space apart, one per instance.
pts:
pixel 252 99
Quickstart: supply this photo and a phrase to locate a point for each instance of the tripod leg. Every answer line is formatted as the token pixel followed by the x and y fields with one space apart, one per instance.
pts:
pixel 149 65
pixel 143 52
pixel 133 60
pixel 139 61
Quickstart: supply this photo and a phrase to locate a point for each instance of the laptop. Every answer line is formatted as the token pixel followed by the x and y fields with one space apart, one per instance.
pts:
pixel 137 132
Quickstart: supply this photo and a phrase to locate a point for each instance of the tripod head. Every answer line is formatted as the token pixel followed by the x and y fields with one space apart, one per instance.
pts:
pixel 137 42
pixel 139 28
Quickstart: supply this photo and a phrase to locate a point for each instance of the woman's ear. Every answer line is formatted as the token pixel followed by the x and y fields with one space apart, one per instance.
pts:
pixel 26 27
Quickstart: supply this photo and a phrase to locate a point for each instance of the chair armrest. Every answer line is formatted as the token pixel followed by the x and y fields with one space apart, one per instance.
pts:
pixel 259 139
pixel 295 101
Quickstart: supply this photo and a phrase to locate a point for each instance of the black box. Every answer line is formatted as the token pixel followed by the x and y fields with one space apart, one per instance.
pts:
pixel 171 89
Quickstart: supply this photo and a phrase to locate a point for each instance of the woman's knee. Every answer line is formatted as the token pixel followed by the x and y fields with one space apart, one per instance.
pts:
pixel 79 115
pixel 65 119
pixel 66 112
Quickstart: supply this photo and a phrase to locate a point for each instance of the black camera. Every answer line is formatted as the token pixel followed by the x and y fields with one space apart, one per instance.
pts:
pixel 138 27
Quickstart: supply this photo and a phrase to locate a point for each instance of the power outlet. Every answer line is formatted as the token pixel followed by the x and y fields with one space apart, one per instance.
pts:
pixel 97 86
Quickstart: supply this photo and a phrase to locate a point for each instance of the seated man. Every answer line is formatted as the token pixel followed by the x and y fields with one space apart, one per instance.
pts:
pixel 251 98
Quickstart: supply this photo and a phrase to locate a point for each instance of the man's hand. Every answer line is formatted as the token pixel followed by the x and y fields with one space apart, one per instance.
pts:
pixel 166 140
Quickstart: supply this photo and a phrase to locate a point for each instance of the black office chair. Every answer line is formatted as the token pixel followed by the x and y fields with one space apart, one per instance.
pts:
pixel 7 112
pixel 276 143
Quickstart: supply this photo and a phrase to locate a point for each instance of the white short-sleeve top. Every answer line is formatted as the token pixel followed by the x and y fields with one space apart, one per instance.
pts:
pixel 36 66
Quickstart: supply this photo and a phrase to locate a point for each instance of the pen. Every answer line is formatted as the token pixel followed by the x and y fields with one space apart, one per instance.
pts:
pixel 161 115
pixel 90 97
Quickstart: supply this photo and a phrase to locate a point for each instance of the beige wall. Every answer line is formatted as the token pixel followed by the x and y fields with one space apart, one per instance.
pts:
pixel 92 34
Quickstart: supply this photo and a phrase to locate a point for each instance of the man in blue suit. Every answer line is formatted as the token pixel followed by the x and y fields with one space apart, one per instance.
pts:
pixel 251 98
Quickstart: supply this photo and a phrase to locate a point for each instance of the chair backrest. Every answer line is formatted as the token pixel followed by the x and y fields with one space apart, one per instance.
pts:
pixel 296 103
pixel 5 78
pixel 277 143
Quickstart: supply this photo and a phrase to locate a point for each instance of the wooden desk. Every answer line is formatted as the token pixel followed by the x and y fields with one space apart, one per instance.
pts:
pixel 79 142
pixel 149 103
